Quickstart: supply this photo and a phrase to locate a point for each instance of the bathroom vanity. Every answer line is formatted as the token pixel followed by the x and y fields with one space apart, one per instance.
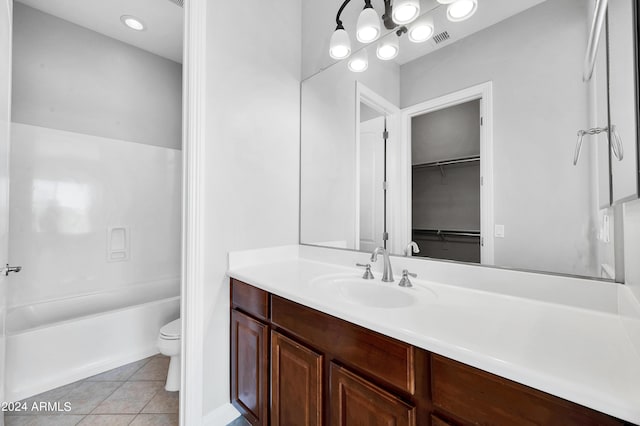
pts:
pixel 309 345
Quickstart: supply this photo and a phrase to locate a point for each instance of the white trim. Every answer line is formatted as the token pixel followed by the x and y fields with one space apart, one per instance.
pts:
pixel 483 92
pixel 392 112
pixel 193 206
pixel 221 416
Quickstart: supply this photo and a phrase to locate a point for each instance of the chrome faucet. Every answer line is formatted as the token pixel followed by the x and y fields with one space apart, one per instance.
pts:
pixel 387 274
pixel 412 247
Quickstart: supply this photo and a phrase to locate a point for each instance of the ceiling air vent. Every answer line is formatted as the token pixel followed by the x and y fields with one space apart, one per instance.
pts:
pixel 443 36
pixel 178 2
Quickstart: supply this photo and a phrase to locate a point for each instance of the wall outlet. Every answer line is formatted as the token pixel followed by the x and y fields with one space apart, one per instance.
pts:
pixel 499 232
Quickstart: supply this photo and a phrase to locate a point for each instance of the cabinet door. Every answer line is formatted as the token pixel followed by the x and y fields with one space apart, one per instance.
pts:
pixel 249 367
pixel 356 402
pixel 296 383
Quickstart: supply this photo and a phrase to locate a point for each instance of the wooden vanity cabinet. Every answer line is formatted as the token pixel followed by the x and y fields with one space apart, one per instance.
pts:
pixel 250 352
pixel 293 365
pixel 355 401
pixel 250 364
pixel 296 383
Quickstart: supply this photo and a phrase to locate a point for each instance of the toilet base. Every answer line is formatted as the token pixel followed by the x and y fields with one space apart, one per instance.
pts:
pixel 173 375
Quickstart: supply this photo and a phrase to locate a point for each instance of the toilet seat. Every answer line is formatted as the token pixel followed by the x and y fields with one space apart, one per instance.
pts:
pixel 172 330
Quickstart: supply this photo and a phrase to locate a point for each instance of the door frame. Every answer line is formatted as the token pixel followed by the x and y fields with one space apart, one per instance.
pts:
pixel 193 211
pixel 377 102
pixel 484 93
pixel 4 293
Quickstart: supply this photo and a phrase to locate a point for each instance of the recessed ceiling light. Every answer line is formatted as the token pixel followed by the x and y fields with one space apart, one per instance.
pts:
pixel 132 22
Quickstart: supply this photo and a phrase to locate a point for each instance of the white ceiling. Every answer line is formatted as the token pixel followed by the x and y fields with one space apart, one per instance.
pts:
pixel 162 18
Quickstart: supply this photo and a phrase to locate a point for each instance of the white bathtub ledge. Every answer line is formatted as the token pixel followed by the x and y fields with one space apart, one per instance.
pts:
pixel 508 323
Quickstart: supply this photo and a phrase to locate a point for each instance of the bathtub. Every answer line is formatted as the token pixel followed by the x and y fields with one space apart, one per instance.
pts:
pixel 53 343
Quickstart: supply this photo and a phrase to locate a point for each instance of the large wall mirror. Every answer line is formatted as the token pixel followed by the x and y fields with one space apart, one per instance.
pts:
pixel 486 144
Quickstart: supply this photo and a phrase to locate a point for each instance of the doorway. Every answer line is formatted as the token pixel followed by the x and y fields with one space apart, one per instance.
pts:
pixel 446 161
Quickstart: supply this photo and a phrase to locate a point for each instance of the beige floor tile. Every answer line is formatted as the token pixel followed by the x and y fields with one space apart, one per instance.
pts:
pixel 155 420
pixel 52 420
pixel 107 420
pixel 130 398
pixel 155 369
pixel 88 395
pixel 49 396
pixel 119 374
pixel 240 421
pixel 163 403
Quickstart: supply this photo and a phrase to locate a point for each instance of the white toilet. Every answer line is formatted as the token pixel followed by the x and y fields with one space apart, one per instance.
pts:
pixel 169 345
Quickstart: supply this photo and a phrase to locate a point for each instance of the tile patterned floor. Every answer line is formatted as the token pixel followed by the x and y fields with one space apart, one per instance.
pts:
pixel 240 421
pixel 129 395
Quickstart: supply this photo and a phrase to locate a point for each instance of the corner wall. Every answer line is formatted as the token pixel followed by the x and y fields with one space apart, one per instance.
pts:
pixel 252 155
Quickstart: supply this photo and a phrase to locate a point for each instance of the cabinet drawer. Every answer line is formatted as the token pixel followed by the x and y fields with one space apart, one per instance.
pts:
pixel 386 359
pixel 483 398
pixel 250 299
pixel 354 401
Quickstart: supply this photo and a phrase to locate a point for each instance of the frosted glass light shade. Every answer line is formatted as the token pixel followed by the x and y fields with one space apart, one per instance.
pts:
pixel 388 48
pixel 421 30
pixel 405 11
pixel 359 62
pixel 460 10
pixel 368 28
pixel 340 45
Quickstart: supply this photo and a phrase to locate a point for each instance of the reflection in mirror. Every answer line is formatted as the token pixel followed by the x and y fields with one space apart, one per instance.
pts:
pixel 372 171
pixel 445 176
pixel 479 156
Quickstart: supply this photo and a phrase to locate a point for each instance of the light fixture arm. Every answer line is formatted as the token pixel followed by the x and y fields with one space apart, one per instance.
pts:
pixel 386 18
pixel 338 21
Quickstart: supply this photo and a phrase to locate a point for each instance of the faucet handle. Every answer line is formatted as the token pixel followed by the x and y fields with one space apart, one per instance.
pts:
pixel 405 281
pixel 367 273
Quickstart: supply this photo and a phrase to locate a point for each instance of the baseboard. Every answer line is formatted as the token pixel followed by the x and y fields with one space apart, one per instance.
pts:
pixel 221 416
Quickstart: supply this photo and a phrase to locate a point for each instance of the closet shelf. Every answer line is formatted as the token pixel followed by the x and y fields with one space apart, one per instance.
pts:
pixel 463 160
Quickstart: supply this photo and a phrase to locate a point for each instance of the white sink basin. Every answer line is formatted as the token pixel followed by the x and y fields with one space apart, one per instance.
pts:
pixel 367 292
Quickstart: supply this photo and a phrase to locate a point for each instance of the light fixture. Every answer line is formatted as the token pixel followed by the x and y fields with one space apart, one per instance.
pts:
pixel 388 48
pixel 368 27
pixel 132 22
pixel 340 46
pixel 398 14
pixel 421 30
pixel 359 62
pixel 405 11
pixel 460 10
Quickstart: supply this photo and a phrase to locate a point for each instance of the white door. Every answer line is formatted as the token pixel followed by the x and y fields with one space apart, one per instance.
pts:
pixel 371 184
pixel 5 120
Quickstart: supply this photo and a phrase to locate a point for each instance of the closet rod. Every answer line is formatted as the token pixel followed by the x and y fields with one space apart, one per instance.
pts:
pixel 447 162
pixel 452 233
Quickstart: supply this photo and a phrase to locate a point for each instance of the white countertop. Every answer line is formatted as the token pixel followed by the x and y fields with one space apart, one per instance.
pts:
pixel 520 326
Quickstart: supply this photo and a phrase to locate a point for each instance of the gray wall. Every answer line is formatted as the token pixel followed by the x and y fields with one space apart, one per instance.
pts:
pixel 67 77
pixel 535 63
pixel 450 201
pixel 446 134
